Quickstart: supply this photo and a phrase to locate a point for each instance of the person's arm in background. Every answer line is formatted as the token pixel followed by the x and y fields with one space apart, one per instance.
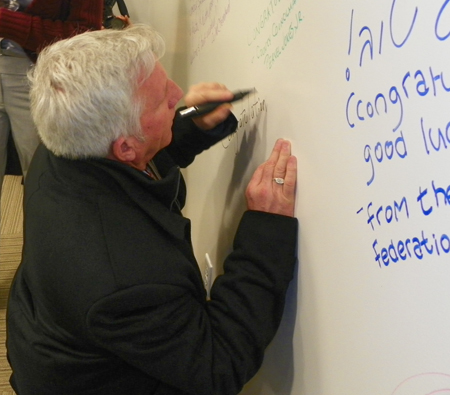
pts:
pixel 46 21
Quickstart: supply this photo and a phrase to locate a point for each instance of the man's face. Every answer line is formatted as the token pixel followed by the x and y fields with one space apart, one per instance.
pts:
pixel 162 95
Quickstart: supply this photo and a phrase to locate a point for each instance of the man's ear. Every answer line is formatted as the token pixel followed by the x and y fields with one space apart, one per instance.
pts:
pixel 123 150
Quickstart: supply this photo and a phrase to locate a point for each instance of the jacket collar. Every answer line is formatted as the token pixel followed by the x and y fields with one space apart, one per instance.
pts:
pixel 161 199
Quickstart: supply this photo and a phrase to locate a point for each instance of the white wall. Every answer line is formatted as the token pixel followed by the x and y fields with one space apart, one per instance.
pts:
pixel 353 324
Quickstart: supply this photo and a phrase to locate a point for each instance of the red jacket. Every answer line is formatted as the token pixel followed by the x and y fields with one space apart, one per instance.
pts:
pixel 45 21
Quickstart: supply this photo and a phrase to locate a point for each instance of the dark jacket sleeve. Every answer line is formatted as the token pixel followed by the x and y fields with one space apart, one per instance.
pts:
pixel 189 141
pixel 198 347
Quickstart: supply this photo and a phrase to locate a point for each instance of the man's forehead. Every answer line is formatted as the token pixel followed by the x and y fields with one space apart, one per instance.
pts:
pixel 156 78
pixel 154 87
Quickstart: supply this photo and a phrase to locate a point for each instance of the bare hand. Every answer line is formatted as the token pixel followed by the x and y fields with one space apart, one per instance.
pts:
pixel 207 92
pixel 125 19
pixel 263 193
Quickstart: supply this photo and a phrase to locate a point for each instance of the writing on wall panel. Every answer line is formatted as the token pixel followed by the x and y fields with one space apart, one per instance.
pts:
pixel 274 30
pixel 425 383
pixel 207 18
pixel 248 116
pixel 416 127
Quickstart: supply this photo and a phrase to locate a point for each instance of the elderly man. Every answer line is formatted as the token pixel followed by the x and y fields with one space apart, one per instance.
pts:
pixel 108 298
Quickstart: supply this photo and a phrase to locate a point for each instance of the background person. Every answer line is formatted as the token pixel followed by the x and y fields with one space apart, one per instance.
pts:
pixel 23 33
pixel 109 298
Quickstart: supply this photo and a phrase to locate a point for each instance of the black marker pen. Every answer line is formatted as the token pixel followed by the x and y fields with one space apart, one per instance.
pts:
pixel 202 109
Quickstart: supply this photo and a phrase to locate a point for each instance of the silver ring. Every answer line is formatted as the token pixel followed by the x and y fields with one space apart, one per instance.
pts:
pixel 279 181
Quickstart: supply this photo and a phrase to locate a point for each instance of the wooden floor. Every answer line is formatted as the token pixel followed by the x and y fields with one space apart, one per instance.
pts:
pixel 10 252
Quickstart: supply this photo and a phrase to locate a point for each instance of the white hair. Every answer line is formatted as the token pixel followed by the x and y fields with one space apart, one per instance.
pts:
pixel 84 89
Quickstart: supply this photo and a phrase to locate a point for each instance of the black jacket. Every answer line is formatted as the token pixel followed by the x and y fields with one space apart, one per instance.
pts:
pixel 109 299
